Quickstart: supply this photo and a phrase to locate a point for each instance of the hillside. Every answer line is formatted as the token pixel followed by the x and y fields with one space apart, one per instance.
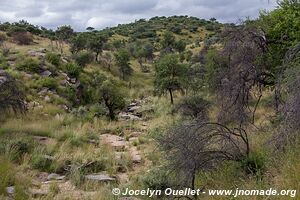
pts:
pixel 145 105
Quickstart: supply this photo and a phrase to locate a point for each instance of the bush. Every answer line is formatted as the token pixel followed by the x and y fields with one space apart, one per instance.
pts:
pixel 83 58
pixel 47 82
pixel 158 179
pixel 53 58
pixel 72 69
pixel 254 163
pixel 22 38
pixel 193 106
pixel 29 65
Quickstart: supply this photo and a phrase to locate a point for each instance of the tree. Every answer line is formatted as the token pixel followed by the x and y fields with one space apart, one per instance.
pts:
pixel 237 71
pixel 170 75
pixel 78 43
pixel 107 60
pixel 180 46
pixel 11 97
pixel 201 146
pixel 167 42
pixel 64 33
pixel 122 58
pixel 112 97
pixel 95 43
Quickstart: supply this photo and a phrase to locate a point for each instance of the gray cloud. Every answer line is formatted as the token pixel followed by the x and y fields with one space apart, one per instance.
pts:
pixel 103 13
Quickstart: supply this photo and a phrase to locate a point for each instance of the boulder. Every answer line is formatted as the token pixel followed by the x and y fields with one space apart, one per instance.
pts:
pixel 54 176
pixel 101 177
pixel 133 108
pixel 10 190
pixel 128 116
pixel 116 142
pixel 135 155
pixel 46 73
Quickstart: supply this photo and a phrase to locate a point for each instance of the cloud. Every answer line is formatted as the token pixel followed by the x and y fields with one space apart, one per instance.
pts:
pixel 102 13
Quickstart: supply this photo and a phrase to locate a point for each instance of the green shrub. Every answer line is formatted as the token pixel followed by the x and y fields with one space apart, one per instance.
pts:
pixel 40 162
pixel 29 65
pixel 47 82
pixel 15 149
pixel 83 58
pixel 53 58
pixel 157 179
pixel 255 163
pixel 72 69
pixel 9 178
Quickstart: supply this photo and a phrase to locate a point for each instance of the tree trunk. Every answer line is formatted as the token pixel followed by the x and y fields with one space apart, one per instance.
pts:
pixel 111 114
pixel 97 54
pixel 171 96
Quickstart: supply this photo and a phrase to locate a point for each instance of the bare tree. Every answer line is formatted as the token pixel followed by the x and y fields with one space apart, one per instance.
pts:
pixel 240 72
pixel 201 146
pixel 289 127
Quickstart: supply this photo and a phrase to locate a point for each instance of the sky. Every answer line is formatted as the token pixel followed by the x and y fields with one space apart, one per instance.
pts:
pixel 106 13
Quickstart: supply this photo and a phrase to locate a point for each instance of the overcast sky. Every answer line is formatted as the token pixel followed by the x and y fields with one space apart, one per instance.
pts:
pixel 105 13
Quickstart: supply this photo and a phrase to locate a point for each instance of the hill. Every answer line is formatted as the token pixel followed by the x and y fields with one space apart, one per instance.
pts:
pixel 169 102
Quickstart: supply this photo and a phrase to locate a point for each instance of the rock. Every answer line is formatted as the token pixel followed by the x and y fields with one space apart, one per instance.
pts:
pixel 29 76
pixel 123 177
pixel 47 98
pixel 36 193
pixel 133 104
pixel 73 80
pixel 47 157
pixel 128 116
pixel 54 176
pixel 32 105
pixel 116 142
pixel 46 73
pixel 10 190
pixel 64 60
pixel 42 50
pixel 135 134
pixel 77 84
pixel 35 53
pixel 132 139
pixel 100 178
pixel 11 63
pixel 134 108
pixel 64 82
pixel 43 91
pixel 135 155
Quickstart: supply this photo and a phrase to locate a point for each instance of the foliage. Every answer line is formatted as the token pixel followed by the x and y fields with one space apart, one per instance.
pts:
pixel 53 58
pixel 72 69
pixel 112 97
pixel 11 97
pixel 122 58
pixel 193 106
pixel 83 58
pixel 47 82
pixel 170 75
pixel 29 65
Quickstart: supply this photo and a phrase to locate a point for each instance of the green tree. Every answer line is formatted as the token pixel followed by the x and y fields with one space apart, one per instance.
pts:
pixel 167 42
pixel 170 75
pixel 96 43
pixel 78 42
pixel 112 97
pixel 122 59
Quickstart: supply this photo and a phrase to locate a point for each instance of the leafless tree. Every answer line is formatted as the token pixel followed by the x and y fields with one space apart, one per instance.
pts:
pixel 201 146
pixel 289 127
pixel 241 72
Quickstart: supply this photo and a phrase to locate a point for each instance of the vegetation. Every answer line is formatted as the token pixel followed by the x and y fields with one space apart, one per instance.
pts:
pixel 80 105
